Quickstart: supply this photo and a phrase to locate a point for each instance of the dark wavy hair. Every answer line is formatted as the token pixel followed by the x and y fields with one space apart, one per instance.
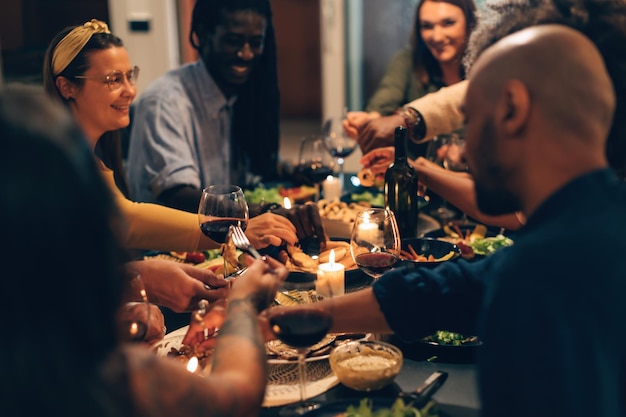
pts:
pixel 109 147
pixel 257 110
pixel 57 219
pixel 425 65
pixel 602 21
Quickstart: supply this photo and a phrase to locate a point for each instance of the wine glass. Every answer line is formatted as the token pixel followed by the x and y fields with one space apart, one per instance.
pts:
pixel 436 152
pixel 220 207
pixel 134 315
pixel 301 326
pixel 314 162
pixel 375 241
pixel 337 142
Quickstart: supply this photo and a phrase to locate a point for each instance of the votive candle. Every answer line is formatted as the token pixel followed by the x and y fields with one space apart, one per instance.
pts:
pixel 331 277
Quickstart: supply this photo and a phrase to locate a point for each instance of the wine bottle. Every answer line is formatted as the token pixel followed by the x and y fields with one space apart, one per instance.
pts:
pixel 401 188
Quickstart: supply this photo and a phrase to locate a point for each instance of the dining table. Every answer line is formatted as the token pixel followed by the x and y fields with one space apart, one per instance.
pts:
pixel 457 397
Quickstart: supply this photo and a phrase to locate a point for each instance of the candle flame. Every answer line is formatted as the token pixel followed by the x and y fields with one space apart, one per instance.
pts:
pixel 331 257
pixel 192 365
pixel 286 203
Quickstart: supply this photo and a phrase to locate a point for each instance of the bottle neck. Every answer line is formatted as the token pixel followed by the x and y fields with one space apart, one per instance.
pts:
pixel 400 145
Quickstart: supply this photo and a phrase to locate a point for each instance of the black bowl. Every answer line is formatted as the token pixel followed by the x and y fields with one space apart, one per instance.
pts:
pixel 429 246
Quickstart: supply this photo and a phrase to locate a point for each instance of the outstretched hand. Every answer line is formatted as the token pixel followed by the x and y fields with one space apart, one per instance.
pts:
pixel 379 132
pixel 378 160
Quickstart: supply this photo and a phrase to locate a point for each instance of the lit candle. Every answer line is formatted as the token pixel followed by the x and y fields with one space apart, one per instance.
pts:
pixel 192 365
pixel 368 232
pixel 331 188
pixel 287 203
pixel 330 277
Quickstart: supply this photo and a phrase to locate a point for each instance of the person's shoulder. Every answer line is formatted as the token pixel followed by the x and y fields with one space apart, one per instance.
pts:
pixel 171 83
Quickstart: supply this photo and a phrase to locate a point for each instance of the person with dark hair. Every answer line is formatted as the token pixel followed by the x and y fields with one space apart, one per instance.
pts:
pixel 60 355
pixel 539 110
pixel 602 21
pixel 441 29
pixel 213 121
pixel 88 70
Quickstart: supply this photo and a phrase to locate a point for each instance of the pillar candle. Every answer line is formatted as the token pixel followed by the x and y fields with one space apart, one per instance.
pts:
pixel 330 277
pixel 331 188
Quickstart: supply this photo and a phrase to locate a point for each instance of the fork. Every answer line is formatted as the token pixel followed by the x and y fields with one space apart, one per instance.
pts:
pixel 241 241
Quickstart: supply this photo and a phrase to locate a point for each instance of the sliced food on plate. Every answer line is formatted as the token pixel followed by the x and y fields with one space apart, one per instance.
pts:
pixel 473 240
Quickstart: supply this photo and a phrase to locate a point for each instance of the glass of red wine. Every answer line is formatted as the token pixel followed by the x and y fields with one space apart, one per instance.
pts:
pixel 314 163
pixel 222 206
pixel 134 315
pixel 301 326
pixel 375 241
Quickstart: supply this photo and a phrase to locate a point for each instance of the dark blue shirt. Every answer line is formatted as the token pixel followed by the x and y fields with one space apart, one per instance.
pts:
pixel 551 309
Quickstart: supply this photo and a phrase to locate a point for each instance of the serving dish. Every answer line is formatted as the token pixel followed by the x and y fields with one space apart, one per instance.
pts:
pixel 436 251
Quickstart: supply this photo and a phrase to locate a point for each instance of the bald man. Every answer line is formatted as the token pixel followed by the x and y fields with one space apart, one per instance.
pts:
pixel 550 308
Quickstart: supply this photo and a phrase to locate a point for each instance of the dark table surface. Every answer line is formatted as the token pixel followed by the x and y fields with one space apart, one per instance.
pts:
pixel 458 397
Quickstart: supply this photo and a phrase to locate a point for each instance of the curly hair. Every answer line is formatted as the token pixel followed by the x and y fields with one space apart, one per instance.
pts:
pixel 602 21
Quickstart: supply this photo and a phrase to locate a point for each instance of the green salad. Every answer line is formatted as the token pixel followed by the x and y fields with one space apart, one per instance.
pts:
pixel 377 200
pixel 397 409
pixel 263 195
pixel 488 245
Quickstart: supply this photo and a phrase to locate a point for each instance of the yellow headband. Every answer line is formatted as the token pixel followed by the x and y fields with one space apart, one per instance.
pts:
pixel 67 49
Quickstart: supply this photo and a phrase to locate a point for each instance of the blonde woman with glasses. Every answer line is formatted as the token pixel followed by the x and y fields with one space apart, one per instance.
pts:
pixel 88 69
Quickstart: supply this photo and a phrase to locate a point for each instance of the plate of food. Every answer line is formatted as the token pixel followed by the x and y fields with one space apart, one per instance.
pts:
pixel 474 240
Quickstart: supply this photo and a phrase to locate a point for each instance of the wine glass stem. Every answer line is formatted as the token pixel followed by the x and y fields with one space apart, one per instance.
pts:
pixel 302 374
pixel 340 162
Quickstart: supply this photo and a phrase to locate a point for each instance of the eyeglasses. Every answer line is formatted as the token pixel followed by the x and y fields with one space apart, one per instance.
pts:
pixel 115 80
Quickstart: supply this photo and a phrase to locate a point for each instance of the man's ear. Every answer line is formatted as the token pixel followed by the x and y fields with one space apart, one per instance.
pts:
pixel 516 100
pixel 67 88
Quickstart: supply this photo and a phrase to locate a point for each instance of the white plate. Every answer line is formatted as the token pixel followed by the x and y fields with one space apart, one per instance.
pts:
pixel 282 384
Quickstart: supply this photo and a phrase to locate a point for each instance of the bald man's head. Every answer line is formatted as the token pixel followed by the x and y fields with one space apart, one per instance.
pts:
pixel 563 72
pixel 539 100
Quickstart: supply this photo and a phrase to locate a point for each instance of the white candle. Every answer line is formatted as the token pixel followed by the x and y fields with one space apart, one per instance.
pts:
pixel 330 277
pixel 331 188
pixel 368 232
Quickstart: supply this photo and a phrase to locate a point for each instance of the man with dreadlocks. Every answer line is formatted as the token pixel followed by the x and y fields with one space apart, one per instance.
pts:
pixel 214 120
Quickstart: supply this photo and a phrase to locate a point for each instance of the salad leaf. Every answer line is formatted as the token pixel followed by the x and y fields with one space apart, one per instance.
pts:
pixel 397 409
pixel 488 245
pixel 263 195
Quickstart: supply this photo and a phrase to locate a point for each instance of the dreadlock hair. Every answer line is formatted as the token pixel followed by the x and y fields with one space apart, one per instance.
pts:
pixel 602 21
pixel 257 109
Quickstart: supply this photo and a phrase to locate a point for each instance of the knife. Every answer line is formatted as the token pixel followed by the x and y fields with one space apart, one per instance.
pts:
pixel 424 392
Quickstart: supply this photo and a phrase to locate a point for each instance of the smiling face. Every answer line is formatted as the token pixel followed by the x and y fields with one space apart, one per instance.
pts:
pixel 235 48
pixel 443 30
pixel 95 106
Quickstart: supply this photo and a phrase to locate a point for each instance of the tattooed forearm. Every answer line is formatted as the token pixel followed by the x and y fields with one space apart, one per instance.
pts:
pixel 242 322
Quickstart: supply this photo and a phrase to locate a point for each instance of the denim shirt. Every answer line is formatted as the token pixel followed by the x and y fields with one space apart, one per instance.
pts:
pixel 180 134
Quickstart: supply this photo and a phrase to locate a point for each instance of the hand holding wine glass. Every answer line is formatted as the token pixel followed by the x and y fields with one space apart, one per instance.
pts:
pixel 375 241
pixel 220 207
pixel 302 326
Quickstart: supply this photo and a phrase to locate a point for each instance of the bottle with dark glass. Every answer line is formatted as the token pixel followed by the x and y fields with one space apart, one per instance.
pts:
pixel 401 187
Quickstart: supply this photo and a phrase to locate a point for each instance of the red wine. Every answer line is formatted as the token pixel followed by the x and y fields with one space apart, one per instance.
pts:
pixel 218 229
pixel 300 327
pixel 341 152
pixel 312 175
pixel 401 188
pixel 376 264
